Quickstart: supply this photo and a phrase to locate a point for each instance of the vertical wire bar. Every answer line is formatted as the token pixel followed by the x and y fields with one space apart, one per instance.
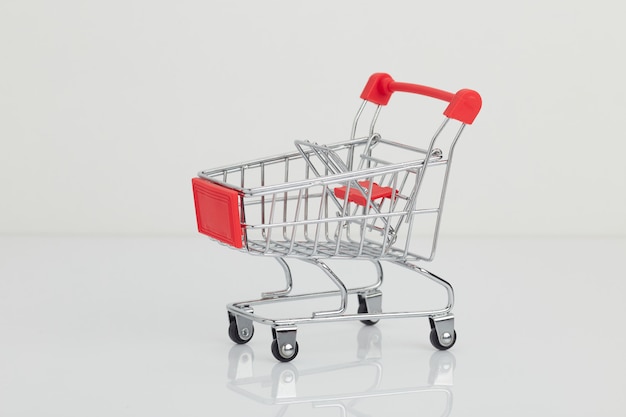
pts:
pixel 412 196
pixel 368 149
pixel 402 185
pixel 263 197
pixel 295 220
pixel 443 192
pixel 405 179
pixel 242 215
pixel 343 215
pixel 376 113
pixel 323 201
pixel 243 220
pixel 388 220
pixel 306 203
pixel 382 179
pixel 271 219
pixel 327 191
pixel 350 157
pixel 421 173
pixel 285 195
pixel 411 216
pixel 366 210
pixel 356 119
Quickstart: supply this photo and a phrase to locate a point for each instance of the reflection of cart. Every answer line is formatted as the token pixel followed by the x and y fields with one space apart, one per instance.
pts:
pixel 357 199
pixel 363 390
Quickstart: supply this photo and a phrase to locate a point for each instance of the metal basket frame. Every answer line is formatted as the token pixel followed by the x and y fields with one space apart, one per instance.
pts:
pixel 341 201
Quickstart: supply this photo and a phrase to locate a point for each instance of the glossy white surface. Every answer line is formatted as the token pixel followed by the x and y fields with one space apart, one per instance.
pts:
pixel 137 327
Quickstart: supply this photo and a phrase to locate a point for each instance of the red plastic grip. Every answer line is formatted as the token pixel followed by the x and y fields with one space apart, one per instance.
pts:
pixel 464 105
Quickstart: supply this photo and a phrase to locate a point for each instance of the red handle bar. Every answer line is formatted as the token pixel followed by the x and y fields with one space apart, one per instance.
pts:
pixel 464 105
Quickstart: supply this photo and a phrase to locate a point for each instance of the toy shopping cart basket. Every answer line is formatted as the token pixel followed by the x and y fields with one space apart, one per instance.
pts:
pixel 356 199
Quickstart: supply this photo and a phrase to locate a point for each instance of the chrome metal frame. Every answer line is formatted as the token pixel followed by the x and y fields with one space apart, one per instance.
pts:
pixel 298 215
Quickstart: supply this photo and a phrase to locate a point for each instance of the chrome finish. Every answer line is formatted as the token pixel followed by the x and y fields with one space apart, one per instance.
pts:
pixel 288 278
pixel 356 119
pixel 373 301
pixel 374 119
pixel 285 336
pixel 244 323
pixel 444 326
pixel 291 206
pixel 287 350
pixel 436 279
pixel 343 291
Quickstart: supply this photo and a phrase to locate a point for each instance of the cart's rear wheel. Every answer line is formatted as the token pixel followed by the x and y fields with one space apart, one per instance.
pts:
pixel 284 353
pixel 234 334
pixel 363 310
pixel 436 343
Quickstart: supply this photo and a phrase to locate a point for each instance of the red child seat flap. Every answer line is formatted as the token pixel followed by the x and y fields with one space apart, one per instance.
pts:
pixel 217 212
pixel 356 196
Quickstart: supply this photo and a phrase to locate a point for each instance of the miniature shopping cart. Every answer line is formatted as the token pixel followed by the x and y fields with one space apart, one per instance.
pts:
pixel 360 199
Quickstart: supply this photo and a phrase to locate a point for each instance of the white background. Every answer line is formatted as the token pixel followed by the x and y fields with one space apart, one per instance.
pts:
pixel 107 109
pixel 111 303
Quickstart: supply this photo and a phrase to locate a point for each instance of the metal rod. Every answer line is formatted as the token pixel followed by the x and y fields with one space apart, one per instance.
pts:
pixel 288 279
pixel 343 291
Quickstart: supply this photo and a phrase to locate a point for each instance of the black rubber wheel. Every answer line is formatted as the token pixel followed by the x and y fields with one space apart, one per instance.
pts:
pixel 435 340
pixel 233 333
pixel 363 310
pixel 279 356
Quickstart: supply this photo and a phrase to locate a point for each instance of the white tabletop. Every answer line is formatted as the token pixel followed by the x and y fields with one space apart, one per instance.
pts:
pixel 138 326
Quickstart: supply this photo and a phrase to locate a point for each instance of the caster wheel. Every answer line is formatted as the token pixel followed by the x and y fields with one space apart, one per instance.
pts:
pixel 435 340
pixel 363 310
pixel 285 353
pixel 233 332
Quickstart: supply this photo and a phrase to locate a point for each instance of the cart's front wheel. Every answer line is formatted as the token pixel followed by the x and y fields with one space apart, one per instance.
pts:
pixel 436 343
pixel 284 353
pixel 237 335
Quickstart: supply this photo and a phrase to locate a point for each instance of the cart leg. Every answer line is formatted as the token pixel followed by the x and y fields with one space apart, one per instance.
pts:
pixel 442 333
pixel 449 290
pixel 288 279
pixel 343 291
pixel 284 346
